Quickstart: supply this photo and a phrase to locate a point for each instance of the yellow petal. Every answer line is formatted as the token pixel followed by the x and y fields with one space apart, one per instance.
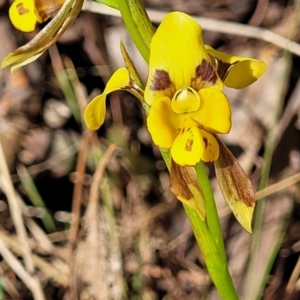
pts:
pixel 162 123
pixel 236 71
pixel 211 147
pixel 214 113
pixel 188 146
pixel 95 111
pixel 236 187
pixel 185 186
pixel 178 58
pixel 22 15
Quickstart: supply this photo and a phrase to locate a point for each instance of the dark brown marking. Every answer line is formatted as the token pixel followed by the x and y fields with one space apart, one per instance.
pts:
pixel 224 68
pixel 206 72
pixel 189 145
pixel 22 10
pixel 160 81
pixel 205 142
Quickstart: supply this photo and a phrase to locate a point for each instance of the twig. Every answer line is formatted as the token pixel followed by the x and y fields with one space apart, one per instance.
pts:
pixel 293 279
pixel 16 215
pixel 211 25
pixel 9 286
pixel 94 195
pixel 51 272
pixel 80 169
pixel 15 210
pixel 96 242
pixel 278 186
pixel 31 282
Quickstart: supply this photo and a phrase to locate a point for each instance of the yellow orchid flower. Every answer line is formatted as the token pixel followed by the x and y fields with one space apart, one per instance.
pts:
pixel 24 14
pixel 46 37
pixel 184 91
pixel 188 109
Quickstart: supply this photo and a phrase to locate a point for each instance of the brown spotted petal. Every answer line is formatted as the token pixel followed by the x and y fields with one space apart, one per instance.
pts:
pixel 236 187
pixel 185 186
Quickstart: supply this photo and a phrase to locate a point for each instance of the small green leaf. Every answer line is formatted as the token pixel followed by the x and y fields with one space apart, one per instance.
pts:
pixel 35 197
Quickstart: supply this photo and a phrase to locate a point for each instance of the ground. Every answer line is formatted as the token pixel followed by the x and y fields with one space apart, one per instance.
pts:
pixel 134 241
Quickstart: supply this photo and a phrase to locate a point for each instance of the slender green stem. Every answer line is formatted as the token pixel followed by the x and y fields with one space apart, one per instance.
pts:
pixel 216 267
pixel 213 221
pixel 212 238
pixel 132 29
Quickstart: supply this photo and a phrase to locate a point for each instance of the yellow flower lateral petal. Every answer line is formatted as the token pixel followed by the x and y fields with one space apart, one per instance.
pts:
pixel 214 114
pixel 211 147
pixel 237 71
pixel 161 123
pixel 94 114
pixel 176 51
pixel 22 15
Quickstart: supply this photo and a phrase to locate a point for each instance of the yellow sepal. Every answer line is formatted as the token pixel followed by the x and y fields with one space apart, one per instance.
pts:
pixel 235 186
pixel 185 186
pixel 177 57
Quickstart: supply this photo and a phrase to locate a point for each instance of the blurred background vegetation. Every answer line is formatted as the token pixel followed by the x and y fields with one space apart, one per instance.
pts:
pixel 130 238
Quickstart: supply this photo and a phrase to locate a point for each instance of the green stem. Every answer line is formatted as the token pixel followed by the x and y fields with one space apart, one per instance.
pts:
pixel 213 221
pixel 217 269
pixel 211 240
pixel 132 28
